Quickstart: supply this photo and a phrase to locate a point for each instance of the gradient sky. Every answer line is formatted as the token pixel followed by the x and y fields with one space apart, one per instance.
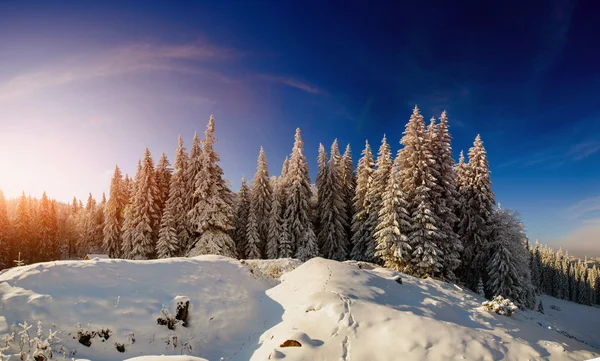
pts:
pixel 86 85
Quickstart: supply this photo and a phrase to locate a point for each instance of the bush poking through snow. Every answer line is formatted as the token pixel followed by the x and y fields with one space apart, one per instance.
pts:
pixel 500 305
pixel 167 319
pixel 291 343
pixel 85 336
pixel 120 347
pixel 541 307
pixel 38 348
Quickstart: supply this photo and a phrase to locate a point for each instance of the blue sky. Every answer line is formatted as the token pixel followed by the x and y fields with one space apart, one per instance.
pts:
pixel 86 85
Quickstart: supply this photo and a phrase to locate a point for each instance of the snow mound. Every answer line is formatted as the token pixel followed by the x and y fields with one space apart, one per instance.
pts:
pixel 240 311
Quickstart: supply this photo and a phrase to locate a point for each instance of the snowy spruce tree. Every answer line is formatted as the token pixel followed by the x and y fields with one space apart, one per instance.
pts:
pixel 252 250
pixel 241 220
pixel 212 215
pixel 477 202
pixel 446 194
pixel 129 215
pixel 349 187
pixel 114 216
pixel 508 269
pixel 6 248
pixel 276 226
pixel 168 244
pixel 163 175
pixel 146 212
pixel 322 174
pixel 360 231
pixel 417 176
pixel 48 231
pixel 480 288
pixel 174 234
pixel 300 231
pixel 374 203
pixel 260 200
pixel 332 209
pixel 391 233
pixel 192 171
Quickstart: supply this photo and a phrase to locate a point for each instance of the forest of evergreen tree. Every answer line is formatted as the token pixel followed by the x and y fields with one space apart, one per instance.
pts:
pixel 419 212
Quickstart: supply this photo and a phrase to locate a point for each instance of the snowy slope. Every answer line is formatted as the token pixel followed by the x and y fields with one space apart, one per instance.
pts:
pixel 337 311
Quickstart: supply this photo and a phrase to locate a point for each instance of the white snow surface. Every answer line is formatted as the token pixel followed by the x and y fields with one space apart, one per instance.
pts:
pixel 337 311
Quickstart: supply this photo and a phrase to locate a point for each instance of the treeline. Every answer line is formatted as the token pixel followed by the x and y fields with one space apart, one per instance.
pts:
pixel 38 230
pixel 556 274
pixel 418 212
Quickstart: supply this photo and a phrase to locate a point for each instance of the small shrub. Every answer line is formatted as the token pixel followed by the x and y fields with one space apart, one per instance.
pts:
pixel 554 307
pixel 274 271
pixel 120 347
pixel 291 343
pixel 85 337
pixel 167 319
pixel 500 305
pixel 541 307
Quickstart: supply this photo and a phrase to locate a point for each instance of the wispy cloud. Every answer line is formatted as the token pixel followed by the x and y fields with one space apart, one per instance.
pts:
pixel 294 83
pixel 583 240
pixel 584 207
pixel 121 60
pixel 558 156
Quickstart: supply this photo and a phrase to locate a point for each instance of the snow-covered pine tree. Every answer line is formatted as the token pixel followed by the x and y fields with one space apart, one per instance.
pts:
pixel 595 284
pixel 360 231
pixel 566 269
pixel 508 269
pixel 22 233
pixel 252 250
pixel 129 214
pixel 559 275
pixel 191 174
pixel 502 270
pixel 178 198
pixel 212 215
pixel 241 220
pixel 173 235
pixel 418 181
pixel 332 211
pixel 536 268
pixel 583 292
pixel 276 226
pixel 391 233
pixel 447 198
pixel 480 289
pixel 144 237
pixel 349 186
pixel 322 174
pixel 127 187
pixel 168 244
pixel 478 202
pixel 297 211
pixel 573 283
pixel 5 241
pixel 374 200
pixel 282 181
pixel 260 200
pixel 113 216
pixel 48 231
pixel 163 175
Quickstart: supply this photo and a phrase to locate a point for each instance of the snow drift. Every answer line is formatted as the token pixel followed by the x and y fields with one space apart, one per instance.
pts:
pixel 336 311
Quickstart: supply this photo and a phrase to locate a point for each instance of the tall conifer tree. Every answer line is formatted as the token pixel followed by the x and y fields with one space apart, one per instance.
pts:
pixel 212 215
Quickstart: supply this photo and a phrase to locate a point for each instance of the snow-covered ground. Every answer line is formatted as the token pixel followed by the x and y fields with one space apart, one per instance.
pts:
pixel 239 311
